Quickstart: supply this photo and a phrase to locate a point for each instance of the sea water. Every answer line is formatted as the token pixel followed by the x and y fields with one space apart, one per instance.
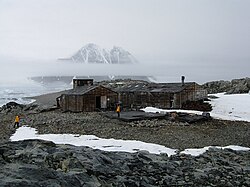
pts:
pixel 20 93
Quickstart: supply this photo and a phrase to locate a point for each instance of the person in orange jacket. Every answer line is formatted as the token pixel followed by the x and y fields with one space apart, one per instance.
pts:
pixel 17 121
pixel 118 110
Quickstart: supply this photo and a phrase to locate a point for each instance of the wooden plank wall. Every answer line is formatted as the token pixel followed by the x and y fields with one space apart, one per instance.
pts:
pixel 160 99
pixel 87 102
pixel 144 99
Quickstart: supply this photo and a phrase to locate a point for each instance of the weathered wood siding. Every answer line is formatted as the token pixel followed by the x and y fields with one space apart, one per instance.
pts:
pixel 160 99
pixel 137 99
pixel 187 94
pixel 143 99
pixel 192 92
pixel 131 99
pixel 87 102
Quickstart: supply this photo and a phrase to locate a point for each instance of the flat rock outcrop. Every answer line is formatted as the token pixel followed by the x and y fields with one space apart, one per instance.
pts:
pixel 42 163
pixel 230 87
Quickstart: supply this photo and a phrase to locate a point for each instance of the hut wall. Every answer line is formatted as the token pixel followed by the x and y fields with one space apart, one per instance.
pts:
pixel 161 99
pixel 193 92
pixel 128 99
pixel 200 93
pixel 133 99
pixel 112 97
pixel 87 102
pixel 177 100
pixel 141 99
pixel 137 99
pixel 144 99
pixel 72 103
pixel 63 102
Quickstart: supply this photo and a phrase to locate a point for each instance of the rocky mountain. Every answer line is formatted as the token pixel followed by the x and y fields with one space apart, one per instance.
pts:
pixel 230 87
pixel 93 54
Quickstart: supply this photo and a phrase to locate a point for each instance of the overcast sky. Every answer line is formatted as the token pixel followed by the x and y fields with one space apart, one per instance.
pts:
pixel 195 34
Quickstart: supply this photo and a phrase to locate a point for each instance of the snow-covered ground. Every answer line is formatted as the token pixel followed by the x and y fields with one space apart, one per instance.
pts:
pixel 24 133
pixel 235 107
pixel 154 110
pixel 230 107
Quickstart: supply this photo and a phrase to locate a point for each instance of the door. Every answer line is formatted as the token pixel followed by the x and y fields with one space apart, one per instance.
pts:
pixel 103 101
pixel 98 102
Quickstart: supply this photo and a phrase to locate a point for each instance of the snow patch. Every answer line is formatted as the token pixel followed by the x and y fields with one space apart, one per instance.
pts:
pixel 197 152
pixel 157 110
pixel 25 133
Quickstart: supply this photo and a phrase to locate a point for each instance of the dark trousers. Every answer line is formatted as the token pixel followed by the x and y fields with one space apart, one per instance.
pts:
pixel 118 114
pixel 16 124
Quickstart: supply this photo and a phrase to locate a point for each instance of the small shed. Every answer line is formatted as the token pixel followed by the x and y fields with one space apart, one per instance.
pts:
pixel 87 98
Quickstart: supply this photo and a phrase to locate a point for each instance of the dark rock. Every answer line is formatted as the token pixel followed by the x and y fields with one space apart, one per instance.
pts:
pixel 230 87
pixel 12 106
pixel 217 86
pixel 42 163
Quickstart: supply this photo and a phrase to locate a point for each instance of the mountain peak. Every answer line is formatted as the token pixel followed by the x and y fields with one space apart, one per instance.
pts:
pixel 92 53
pixel 91 45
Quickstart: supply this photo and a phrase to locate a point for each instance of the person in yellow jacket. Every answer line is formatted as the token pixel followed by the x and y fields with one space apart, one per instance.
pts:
pixel 17 121
pixel 118 110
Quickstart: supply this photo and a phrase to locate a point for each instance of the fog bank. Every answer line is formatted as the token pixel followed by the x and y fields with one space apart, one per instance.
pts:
pixel 13 71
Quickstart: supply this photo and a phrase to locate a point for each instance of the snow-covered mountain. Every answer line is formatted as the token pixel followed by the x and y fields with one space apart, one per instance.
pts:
pixel 92 53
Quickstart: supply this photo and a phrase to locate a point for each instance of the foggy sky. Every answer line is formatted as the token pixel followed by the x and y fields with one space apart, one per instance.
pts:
pixel 195 37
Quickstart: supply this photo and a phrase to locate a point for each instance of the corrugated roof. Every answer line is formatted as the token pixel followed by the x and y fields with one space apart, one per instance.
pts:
pixel 154 87
pixel 135 87
pixel 81 90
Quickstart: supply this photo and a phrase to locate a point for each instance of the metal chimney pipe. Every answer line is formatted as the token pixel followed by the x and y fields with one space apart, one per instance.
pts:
pixel 183 80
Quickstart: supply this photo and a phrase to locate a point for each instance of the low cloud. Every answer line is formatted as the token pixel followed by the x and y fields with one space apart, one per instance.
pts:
pixel 13 71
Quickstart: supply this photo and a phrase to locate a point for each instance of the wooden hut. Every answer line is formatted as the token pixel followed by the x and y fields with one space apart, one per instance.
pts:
pixel 162 95
pixel 87 97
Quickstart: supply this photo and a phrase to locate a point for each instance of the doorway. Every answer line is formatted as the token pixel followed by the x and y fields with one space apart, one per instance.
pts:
pixel 98 102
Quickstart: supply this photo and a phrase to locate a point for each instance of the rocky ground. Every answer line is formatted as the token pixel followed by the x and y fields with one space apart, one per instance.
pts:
pixel 39 163
pixel 176 135
pixel 171 134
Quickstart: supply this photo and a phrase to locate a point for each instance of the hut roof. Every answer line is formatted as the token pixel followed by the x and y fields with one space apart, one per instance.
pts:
pixel 134 87
pixel 81 90
pixel 154 87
